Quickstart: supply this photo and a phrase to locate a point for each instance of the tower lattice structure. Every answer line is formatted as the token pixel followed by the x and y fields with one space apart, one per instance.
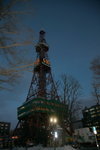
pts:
pixel 42 100
pixel 42 84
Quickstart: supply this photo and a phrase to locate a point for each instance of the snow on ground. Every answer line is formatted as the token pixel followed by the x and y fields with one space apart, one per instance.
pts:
pixel 68 147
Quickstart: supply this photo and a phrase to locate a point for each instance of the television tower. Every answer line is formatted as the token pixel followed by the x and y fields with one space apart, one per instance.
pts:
pixel 42 77
pixel 42 100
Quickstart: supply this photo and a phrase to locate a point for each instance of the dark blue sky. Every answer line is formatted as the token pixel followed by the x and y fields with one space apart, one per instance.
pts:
pixel 73 34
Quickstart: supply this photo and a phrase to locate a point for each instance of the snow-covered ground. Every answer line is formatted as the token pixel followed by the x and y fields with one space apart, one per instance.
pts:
pixel 68 147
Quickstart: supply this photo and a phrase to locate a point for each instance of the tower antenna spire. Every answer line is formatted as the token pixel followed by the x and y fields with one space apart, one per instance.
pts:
pixel 42 36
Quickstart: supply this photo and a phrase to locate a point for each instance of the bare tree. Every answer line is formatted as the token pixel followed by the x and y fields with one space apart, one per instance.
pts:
pixel 95 67
pixel 10 53
pixel 54 90
pixel 71 91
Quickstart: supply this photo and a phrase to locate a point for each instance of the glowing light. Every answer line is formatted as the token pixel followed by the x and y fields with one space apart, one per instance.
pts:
pixel 56 134
pixel 55 120
pixel 94 130
pixel 97 145
pixel 51 119
pixel 14 137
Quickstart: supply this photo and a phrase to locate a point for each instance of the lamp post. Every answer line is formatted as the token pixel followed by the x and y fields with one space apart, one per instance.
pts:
pixel 53 123
pixel 55 138
pixel 95 133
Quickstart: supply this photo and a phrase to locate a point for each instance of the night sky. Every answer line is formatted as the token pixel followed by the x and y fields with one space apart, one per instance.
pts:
pixel 73 35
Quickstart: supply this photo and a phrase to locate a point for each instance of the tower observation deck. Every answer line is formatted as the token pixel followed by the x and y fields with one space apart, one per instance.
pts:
pixel 42 101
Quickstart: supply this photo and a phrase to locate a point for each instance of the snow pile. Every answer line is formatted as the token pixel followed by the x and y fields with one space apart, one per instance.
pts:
pixel 68 147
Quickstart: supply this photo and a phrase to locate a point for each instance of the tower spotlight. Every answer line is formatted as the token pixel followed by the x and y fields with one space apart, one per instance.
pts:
pixel 55 120
pixel 51 120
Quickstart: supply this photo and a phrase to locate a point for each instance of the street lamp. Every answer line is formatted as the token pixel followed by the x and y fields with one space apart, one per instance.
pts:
pixel 95 133
pixel 53 120
pixel 56 134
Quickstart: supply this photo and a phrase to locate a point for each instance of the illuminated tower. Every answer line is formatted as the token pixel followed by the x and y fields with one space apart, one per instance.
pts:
pixel 42 82
pixel 42 100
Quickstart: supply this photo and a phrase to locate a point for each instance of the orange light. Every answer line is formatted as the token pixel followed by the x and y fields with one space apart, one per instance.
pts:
pixel 46 61
pixel 14 137
pixel 37 62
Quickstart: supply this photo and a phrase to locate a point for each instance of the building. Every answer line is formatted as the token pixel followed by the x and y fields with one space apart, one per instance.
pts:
pixel 4 128
pixel 91 118
pixel 4 134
